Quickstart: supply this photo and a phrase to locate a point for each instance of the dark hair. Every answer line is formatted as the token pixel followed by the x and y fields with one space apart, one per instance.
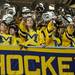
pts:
pixel 15 28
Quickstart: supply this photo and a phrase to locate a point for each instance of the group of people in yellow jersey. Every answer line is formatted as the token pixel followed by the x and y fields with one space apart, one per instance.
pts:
pixel 30 35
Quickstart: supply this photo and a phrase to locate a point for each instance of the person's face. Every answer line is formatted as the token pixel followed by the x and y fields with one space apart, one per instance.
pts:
pixel 29 22
pixel 12 31
pixel 3 27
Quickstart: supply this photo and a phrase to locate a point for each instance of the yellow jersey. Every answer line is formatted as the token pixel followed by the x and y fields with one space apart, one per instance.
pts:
pixel 51 40
pixel 67 40
pixel 16 40
pixel 5 39
pixel 28 37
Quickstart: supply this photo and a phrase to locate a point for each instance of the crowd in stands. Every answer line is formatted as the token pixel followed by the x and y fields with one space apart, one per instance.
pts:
pixel 36 27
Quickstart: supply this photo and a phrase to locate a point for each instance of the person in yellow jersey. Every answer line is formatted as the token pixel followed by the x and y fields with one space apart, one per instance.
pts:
pixel 28 32
pixel 67 37
pixel 41 31
pixel 51 40
pixel 14 32
pixel 5 38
